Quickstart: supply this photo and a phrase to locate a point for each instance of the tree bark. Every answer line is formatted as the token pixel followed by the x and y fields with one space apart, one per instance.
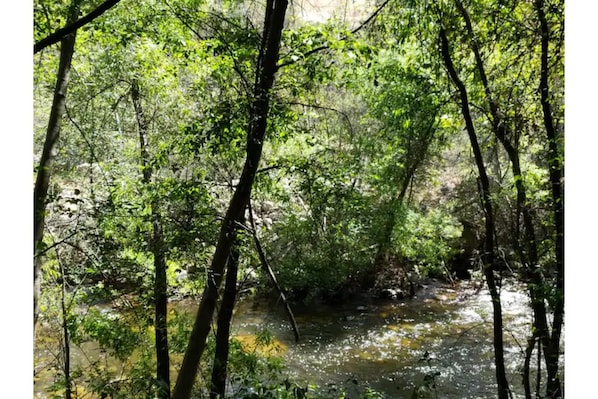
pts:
pixel 556 176
pixel 236 208
pixel 225 315
pixel 488 256
pixel 44 170
pixel 158 250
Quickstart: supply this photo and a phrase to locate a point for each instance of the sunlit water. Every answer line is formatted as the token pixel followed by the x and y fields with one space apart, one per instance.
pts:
pixel 391 345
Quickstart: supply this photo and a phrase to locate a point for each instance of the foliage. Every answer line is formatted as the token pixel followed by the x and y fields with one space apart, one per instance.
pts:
pixel 428 240
pixel 365 164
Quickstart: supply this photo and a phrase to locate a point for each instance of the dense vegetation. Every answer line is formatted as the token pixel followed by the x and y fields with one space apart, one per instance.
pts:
pixel 209 149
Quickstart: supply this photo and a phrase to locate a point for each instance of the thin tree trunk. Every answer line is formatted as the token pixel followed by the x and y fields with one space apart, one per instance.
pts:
pixel 44 170
pixel 66 366
pixel 531 342
pixel 236 208
pixel 488 256
pixel 266 266
pixel 161 309
pixel 556 175
pixel 158 249
pixel 225 316
pixel 534 279
pixel 539 372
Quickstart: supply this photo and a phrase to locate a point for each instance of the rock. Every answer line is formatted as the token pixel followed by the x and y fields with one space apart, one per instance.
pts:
pixel 182 276
pixel 267 207
pixel 391 293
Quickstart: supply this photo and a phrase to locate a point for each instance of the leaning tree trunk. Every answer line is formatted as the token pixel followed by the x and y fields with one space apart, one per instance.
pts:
pixel 44 169
pixel 529 253
pixel 488 256
pixel 268 270
pixel 234 214
pixel 556 175
pixel 157 247
pixel 225 316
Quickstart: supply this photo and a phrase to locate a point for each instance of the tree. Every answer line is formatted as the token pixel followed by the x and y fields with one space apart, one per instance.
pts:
pixel 44 169
pixel 158 249
pixel 556 173
pixel 528 252
pixel 409 108
pixel 273 26
pixel 488 259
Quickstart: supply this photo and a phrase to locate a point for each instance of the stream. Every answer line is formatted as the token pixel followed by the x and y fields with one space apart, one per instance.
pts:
pixel 392 345
pixel 444 332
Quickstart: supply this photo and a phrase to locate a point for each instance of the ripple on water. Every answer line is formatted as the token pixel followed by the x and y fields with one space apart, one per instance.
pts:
pixel 384 343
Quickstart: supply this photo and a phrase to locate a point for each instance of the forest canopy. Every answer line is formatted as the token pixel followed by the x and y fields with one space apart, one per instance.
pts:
pixel 312 153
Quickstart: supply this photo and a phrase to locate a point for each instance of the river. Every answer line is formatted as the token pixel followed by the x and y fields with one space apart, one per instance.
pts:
pixel 393 345
pixel 444 332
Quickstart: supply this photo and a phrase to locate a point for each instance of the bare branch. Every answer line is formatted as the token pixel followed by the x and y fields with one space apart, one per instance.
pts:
pixel 57 243
pixel 268 269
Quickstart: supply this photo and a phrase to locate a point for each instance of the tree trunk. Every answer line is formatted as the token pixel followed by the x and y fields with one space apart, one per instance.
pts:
pixel 556 176
pixel 531 341
pixel 161 309
pixel 529 255
pixel 158 248
pixel 66 352
pixel 236 208
pixel 225 316
pixel 539 372
pixel 488 256
pixel 44 170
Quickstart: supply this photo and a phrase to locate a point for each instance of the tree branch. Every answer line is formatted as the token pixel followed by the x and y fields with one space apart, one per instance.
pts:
pixel 325 46
pixel 57 243
pixel 70 28
pixel 268 269
pixel 324 108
